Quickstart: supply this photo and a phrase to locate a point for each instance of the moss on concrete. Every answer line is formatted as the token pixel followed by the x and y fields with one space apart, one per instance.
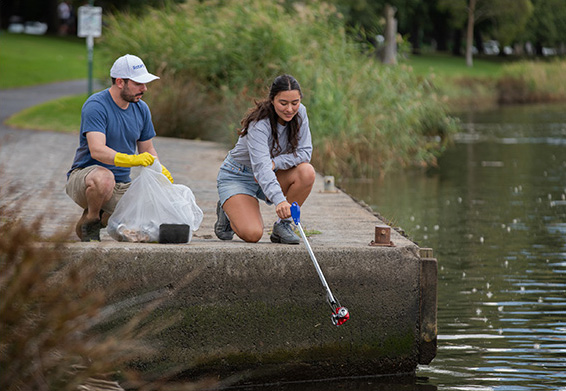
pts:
pixel 274 343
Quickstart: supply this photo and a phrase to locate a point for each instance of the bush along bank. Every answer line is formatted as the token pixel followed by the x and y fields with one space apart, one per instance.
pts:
pixel 532 82
pixel 215 58
pixel 518 82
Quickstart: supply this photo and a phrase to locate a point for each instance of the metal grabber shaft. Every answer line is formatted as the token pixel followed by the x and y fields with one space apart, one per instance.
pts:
pixel 339 314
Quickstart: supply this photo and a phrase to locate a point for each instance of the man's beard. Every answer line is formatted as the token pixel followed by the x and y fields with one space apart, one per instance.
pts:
pixel 130 97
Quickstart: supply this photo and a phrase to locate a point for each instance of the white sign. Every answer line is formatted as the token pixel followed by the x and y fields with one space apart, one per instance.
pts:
pixel 89 21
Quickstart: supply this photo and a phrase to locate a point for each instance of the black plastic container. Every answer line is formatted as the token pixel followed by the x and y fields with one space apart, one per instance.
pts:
pixel 174 233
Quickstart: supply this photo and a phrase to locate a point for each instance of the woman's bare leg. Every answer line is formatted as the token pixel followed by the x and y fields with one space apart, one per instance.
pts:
pixel 245 217
pixel 297 182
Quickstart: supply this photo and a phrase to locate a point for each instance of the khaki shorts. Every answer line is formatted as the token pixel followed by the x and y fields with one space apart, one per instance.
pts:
pixel 76 189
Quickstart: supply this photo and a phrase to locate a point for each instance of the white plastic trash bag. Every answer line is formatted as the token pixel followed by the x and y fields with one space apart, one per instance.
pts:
pixel 151 201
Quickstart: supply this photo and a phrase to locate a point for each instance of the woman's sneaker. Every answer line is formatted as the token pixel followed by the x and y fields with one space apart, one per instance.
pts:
pixel 283 233
pixel 222 227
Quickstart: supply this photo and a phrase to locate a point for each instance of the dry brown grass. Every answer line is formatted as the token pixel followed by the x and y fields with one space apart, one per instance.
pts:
pixel 55 334
pixel 45 322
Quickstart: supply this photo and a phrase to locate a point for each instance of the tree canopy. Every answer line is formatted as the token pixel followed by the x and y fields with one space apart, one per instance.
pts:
pixel 438 24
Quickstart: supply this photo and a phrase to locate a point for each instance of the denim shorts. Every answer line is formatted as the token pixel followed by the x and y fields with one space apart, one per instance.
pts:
pixel 235 178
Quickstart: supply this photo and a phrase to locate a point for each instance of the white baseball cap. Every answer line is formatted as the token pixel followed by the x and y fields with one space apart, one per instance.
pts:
pixel 131 67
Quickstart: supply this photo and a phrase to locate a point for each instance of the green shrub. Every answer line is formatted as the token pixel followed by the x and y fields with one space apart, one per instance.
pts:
pixel 365 117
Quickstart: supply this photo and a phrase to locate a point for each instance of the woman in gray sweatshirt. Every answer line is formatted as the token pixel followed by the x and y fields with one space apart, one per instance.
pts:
pixel 270 162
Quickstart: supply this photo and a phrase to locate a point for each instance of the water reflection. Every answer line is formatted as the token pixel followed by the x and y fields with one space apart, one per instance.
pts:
pixel 495 214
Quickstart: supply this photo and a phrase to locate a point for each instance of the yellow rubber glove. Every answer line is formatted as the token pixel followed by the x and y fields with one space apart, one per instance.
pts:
pixel 124 160
pixel 166 172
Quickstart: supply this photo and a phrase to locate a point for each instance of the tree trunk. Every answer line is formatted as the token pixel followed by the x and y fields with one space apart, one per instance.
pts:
pixel 390 52
pixel 470 34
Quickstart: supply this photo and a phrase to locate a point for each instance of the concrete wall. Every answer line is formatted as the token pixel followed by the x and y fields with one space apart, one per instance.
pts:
pixel 260 310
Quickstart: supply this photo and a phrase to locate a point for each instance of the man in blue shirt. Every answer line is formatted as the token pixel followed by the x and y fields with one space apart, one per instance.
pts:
pixel 116 134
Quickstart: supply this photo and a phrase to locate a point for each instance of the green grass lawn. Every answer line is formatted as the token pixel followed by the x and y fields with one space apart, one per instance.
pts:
pixel 62 115
pixel 29 59
pixel 445 65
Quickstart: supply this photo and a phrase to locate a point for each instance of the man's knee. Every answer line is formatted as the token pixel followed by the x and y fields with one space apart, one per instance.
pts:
pixel 102 180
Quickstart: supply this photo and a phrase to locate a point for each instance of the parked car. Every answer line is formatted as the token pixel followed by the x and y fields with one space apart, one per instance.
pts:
pixel 491 48
pixel 549 51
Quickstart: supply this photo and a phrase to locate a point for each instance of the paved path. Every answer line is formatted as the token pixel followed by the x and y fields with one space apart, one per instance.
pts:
pixel 33 166
pixel 16 99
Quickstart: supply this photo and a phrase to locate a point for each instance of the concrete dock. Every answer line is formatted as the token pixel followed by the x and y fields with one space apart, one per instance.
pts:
pixel 253 310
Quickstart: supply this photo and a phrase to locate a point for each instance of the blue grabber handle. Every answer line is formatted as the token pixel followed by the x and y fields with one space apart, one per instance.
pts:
pixel 296 213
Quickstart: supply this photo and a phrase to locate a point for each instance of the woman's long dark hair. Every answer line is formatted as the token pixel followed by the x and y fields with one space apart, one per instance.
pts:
pixel 264 109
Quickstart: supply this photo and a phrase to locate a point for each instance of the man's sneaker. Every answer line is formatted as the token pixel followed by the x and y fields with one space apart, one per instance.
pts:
pixel 283 233
pixel 222 227
pixel 90 231
pixel 80 223
pixel 104 216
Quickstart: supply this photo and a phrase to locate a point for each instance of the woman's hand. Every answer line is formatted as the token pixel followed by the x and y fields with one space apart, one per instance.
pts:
pixel 283 210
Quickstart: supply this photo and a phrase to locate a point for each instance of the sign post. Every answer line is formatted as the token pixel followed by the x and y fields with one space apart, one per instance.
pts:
pixel 89 26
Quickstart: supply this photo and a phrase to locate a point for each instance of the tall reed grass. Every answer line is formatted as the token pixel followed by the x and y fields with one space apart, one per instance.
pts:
pixel 533 82
pixel 366 118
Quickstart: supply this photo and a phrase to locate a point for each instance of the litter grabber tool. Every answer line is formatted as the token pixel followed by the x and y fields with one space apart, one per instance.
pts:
pixel 339 314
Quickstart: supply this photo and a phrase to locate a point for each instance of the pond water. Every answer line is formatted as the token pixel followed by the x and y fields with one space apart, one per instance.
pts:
pixel 494 211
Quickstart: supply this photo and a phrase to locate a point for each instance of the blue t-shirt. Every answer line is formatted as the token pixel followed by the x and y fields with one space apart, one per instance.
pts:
pixel 123 129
